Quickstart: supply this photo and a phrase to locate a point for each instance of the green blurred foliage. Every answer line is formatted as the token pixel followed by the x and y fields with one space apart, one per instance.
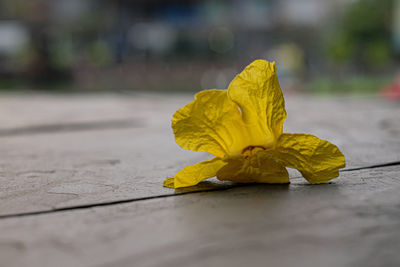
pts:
pixel 363 36
pixel 99 54
pixel 350 85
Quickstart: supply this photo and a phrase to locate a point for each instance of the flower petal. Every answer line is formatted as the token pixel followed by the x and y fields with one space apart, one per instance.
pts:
pixel 318 160
pixel 259 168
pixel 257 92
pixel 194 174
pixel 211 123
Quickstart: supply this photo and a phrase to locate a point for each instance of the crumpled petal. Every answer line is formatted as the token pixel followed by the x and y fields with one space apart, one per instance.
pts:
pixel 257 92
pixel 258 168
pixel 242 127
pixel 211 123
pixel 318 160
pixel 194 174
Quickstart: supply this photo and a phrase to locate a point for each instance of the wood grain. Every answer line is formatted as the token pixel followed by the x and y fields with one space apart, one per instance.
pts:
pixel 352 222
pixel 63 151
pixel 42 170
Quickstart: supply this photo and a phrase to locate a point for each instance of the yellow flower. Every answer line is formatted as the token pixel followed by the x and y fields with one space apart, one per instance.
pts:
pixel 243 128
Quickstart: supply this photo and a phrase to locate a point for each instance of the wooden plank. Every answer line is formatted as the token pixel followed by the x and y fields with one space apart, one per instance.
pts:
pixel 22 110
pixel 370 125
pixel 351 222
pixel 45 172
pixel 60 169
pixel 366 130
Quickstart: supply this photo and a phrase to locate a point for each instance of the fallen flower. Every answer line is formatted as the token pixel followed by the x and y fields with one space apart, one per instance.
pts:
pixel 243 128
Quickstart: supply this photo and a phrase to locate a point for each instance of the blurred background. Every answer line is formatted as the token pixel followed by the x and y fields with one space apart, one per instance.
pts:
pixel 336 46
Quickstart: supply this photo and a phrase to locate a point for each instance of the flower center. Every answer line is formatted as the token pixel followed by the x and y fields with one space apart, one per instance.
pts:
pixel 251 150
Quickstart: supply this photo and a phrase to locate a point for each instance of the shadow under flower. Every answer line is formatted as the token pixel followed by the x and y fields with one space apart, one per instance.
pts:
pixel 216 185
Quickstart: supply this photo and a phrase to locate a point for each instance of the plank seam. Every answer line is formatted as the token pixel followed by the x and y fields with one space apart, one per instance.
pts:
pixel 131 200
pixel 72 127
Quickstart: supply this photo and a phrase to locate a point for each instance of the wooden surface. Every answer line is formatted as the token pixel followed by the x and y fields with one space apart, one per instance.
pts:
pixel 80 185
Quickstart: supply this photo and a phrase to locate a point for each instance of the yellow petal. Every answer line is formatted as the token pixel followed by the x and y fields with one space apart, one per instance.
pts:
pixel 318 160
pixel 257 92
pixel 258 168
pixel 194 174
pixel 211 123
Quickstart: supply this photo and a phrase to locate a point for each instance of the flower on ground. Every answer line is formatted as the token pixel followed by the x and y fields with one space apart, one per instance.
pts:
pixel 243 128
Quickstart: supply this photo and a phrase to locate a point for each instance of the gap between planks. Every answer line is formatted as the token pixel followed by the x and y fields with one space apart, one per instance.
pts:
pixel 117 202
pixel 72 127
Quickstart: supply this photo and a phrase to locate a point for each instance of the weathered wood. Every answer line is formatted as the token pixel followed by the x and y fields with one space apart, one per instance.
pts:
pixel 44 170
pixel 61 151
pixel 366 130
pixel 352 222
